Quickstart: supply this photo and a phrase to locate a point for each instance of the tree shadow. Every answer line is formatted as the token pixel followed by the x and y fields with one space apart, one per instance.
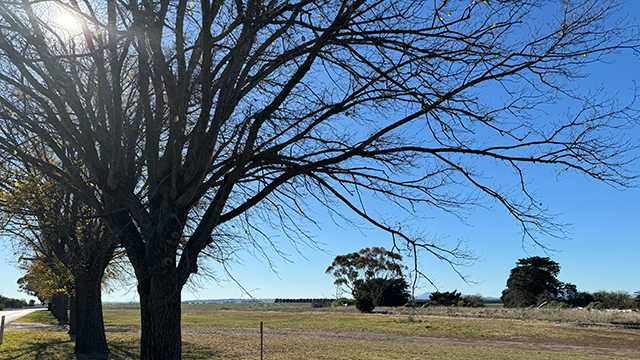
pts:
pixel 194 351
pixel 41 350
pixel 121 348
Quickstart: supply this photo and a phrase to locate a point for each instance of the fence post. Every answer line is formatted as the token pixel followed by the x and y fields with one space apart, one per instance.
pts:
pixel 1 330
pixel 261 337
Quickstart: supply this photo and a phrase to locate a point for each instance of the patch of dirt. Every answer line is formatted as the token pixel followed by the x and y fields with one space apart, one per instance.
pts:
pixel 29 326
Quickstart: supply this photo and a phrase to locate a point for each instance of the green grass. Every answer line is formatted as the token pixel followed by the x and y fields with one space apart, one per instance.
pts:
pixel 497 329
pixel 42 317
pixel 27 345
pixel 480 332
pixel 55 345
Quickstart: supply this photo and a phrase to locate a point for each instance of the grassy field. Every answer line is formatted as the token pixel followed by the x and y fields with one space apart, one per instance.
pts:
pixel 297 331
pixel 353 321
pixel 56 345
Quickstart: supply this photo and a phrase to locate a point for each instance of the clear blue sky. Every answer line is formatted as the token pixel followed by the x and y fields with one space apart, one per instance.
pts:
pixel 602 252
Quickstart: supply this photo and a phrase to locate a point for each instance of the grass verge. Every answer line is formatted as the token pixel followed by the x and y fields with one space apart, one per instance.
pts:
pixel 42 317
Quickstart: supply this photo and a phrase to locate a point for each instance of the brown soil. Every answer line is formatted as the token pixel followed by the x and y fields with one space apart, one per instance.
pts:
pixel 18 326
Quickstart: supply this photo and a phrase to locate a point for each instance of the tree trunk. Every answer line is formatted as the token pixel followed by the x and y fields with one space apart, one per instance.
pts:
pixel 59 307
pixel 72 317
pixel 53 306
pixel 64 308
pixel 160 316
pixel 90 338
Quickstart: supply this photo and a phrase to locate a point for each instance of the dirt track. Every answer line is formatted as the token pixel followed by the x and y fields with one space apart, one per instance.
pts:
pixel 18 326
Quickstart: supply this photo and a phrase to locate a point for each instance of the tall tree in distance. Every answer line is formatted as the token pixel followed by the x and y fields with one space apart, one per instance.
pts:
pixel 200 122
pixel 531 277
pixel 370 270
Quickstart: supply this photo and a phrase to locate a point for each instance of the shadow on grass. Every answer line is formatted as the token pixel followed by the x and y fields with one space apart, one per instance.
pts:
pixel 47 345
pixel 199 352
pixel 40 350
pixel 130 349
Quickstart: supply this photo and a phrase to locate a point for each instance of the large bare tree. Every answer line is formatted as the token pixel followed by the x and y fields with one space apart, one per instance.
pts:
pixel 194 119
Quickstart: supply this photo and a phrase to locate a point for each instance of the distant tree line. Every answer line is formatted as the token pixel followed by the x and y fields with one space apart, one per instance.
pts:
pixel 10 303
pixel 534 282
pixel 302 300
pixel 598 300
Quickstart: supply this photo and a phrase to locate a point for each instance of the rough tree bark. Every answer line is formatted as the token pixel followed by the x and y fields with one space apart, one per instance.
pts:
pixel 90 337
pixel 160 313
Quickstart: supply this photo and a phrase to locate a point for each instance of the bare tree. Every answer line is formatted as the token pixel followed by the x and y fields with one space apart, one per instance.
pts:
pixel 194 119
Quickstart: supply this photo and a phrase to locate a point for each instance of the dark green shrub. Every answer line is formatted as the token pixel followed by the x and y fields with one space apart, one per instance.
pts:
pixel 343 301
pixel 364 302
pixel 1 306
pixel 612 299
pixel 472 301
pixel 630 303
pixel 321 303
pixel 447 298
pixel 580 298
pixel 554 304
pixel 396 293
pixel 596 305
pixel 563 305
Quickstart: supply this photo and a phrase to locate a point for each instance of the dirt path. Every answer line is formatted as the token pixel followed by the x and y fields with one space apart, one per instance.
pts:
pixel 28 326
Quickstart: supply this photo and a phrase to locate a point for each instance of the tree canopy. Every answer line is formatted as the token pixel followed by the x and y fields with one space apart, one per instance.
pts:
pixel 446 298
pixel 530 278
pixel 371 270
pixel 189 126
pixel 64 248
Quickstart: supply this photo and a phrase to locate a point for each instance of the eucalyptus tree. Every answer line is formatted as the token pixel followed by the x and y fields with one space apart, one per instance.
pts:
pixel 198 120
pixel 370 270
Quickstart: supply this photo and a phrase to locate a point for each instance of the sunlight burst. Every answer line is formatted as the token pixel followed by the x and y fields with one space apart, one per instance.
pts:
pixel 67 21
pixel 64 20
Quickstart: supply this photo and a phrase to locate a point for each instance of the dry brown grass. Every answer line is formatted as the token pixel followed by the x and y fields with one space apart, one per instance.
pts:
pixel 579 316
pixel 302 332
pixel 29 345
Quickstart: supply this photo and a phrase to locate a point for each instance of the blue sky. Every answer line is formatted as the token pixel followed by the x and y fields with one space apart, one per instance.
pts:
pixel 601 252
